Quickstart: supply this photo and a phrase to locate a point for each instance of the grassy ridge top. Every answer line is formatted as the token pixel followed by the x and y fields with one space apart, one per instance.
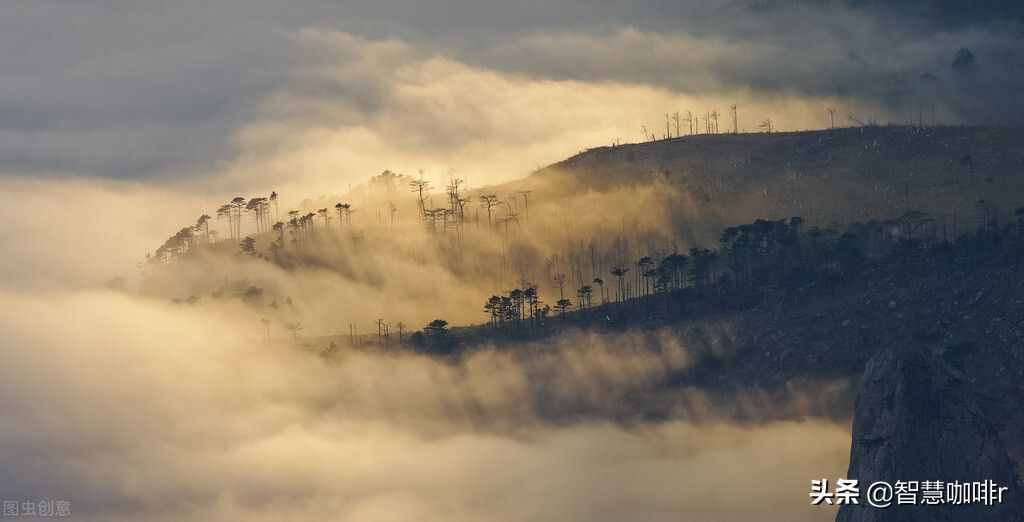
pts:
pixel 842 175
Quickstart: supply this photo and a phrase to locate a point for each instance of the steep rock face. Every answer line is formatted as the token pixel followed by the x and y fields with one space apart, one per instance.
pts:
pixel 918 418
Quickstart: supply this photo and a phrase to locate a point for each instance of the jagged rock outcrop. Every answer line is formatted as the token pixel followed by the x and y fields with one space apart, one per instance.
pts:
pixel 917 417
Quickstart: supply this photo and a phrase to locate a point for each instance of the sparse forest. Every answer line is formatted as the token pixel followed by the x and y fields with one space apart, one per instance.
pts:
pixel 564 270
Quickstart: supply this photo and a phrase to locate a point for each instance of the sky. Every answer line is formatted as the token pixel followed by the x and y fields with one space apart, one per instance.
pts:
pixel 237 95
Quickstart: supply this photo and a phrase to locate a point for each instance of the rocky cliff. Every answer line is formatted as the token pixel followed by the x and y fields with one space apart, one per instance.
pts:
pixel 919 417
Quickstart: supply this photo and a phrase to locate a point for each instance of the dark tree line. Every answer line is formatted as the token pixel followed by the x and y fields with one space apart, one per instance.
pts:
pixel 299 226
pixel 763 260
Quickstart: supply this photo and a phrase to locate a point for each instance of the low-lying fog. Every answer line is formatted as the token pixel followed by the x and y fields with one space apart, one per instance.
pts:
pixel 132 407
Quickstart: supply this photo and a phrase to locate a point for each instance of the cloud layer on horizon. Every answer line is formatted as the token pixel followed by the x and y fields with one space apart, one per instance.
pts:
pixel 139 409
pixel 140 90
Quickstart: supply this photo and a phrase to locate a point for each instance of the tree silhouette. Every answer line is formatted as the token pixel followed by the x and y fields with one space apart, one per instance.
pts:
pixel 671 271
pixel 562 306
pixel 519 302
pixel 619 272
pixel 489 201
pixel 644 266
pixel 532 300
pixel 258 208
pixel 436 328
pixel 436 333
pixel 203 223
pixel 583 295
pixel 493 308
pixel 344 212
pixel 226 212
pixel 237 204
pixel 421 187
pixel 248 246
pixel 600 283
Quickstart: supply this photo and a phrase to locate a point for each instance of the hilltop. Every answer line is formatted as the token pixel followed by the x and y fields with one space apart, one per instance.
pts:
pixel 824 176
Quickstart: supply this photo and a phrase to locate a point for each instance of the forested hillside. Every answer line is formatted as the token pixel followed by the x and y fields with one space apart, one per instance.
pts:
pixel 749 211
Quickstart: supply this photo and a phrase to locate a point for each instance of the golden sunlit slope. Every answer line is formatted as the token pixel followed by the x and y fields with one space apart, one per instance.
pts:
pixel 842 175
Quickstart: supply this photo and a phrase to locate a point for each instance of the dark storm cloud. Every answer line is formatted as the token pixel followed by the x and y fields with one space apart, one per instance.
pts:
pixel 821 49
pixel 137 89
pixel 949 12
pixel 127 90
